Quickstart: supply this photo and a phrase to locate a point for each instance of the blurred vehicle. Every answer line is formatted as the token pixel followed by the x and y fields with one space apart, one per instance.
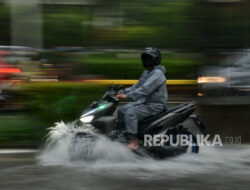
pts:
pixel 7 71
pixel 4 95
pixel 230 80
pixel 9 74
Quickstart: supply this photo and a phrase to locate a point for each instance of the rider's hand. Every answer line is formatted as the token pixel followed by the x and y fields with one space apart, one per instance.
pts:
pixel 121 96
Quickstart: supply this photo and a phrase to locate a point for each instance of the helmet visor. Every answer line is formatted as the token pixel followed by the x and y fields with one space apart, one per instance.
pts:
pixel 147 60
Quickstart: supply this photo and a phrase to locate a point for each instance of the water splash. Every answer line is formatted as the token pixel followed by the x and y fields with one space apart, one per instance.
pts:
pixel 105 156
pixel 61 148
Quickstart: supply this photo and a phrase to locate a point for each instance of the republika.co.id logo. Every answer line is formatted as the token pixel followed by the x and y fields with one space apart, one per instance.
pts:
pixel 182 140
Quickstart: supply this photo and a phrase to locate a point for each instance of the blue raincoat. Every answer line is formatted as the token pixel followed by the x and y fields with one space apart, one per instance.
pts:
pixel 149 96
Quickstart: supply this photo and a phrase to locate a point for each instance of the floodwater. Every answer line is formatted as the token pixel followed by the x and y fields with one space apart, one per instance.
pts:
pixel 109 165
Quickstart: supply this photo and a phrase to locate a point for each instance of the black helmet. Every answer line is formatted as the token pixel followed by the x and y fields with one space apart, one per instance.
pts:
pixel 151 57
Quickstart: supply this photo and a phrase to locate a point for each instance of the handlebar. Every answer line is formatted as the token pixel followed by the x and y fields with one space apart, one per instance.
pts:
pixel 110 95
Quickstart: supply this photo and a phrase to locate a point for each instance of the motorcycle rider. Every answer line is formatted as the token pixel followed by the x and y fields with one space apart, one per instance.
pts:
pixel 149 95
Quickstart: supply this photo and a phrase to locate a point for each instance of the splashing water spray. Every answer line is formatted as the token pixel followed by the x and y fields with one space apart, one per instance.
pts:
pixel 68 142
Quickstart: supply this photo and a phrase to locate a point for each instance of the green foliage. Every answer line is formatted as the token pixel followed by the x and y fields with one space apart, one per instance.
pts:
pixel 192 25
pixel 5 31
pixel 22 130
pixel 55 101
pixel 111 65
pixel 63 26
pixel 45 103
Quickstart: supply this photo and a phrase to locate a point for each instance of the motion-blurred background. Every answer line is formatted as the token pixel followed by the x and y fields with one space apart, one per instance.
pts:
pixel 50 49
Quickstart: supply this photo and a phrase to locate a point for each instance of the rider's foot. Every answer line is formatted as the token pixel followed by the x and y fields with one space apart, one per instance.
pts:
pixel 133 144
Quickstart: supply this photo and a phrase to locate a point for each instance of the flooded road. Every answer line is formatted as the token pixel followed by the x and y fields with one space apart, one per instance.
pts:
pixel 106 164
pixel 226 167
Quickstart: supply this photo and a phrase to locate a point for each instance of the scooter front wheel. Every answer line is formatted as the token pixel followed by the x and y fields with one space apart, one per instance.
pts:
pixel 81 143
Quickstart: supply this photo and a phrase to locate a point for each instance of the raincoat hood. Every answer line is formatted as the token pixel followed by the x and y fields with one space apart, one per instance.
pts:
pixel 161 67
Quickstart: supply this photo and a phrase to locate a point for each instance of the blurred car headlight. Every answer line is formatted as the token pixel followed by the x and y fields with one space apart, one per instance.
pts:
pixel 87 119
pixel 211 79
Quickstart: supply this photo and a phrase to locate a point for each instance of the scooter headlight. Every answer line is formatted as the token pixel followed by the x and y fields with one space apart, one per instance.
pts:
pixel 87 119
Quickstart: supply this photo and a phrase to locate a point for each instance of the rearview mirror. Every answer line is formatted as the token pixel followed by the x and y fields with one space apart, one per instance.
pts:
pixel 119 87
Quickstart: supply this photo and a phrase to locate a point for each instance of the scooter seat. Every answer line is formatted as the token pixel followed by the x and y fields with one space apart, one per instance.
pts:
pixel 179 110
pixel 156 123
pixel 162 113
